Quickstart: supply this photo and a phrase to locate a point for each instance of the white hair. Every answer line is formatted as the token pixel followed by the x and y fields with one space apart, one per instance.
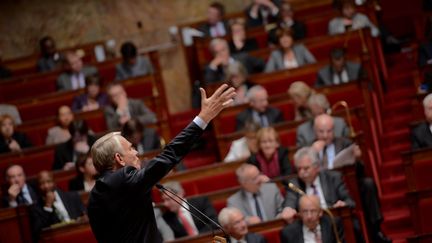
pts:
pixel 104 149
pixel 215 42
pixel 319 99
pixel 306 152
pixel 255 89
pixel 224 216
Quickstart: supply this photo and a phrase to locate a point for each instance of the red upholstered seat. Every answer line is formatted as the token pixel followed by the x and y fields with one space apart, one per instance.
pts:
pixel 272 236
pixel 422 171
pixel 424 207
pixel 217 182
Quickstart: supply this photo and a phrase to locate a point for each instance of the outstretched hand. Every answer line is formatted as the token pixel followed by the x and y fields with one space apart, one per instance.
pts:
pixel 210 107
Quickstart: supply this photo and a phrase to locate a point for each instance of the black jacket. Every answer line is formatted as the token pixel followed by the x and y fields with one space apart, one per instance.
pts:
pixel 120 205
pixel 421 136
pixel 203 205
pixel 64 152
pixel 20 138
pixel 273 115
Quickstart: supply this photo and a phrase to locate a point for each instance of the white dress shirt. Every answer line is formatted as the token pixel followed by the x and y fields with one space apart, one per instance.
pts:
pixel 217 30
pixel 309 236
pixel 26 194
pixel 310 191
pixel 340 78
pixel 331 153
pixel 188 217
pixel 61 211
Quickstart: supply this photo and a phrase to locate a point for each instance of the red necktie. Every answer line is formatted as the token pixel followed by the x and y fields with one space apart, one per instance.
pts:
pixel 186 225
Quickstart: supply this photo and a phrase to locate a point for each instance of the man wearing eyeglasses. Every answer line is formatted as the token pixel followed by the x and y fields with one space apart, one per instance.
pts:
pixel 312 226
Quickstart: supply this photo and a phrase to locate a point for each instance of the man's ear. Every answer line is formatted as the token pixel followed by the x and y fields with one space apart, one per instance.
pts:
pixel 119 159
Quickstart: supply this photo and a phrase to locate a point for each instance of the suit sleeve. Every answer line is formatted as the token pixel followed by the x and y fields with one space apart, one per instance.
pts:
pixel 415 143
pixel 342 191
pixel 285 163
pixel 58 161
pixel 291 198
pixel 300 139
pixel 171 155
pixel 308 57
pixel 111 118
pixel 209 210
pixel 271 65
pixel 319 82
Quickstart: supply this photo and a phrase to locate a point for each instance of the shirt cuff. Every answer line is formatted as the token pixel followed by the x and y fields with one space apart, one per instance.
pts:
pixel 200 122
pixel 48 209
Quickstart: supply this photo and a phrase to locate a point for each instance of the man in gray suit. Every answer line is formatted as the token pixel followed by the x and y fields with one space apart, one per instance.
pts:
pixel 318 105
pixel 122 109
pixel 257 200
pixel 312 226
pixel 74 77
pixel 133 65
pixel 259 110
pixel 338 71
pixel 233 221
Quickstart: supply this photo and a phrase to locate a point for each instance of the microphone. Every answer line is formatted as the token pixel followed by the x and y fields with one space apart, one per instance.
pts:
pixel 330 214
pixel 164 190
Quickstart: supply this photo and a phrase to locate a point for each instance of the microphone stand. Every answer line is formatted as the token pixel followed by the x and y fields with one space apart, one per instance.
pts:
pixel 330 214
pixel 344 104
pixel 216 239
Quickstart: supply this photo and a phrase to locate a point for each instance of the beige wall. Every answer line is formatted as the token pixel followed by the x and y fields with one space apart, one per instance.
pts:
pixel 72 22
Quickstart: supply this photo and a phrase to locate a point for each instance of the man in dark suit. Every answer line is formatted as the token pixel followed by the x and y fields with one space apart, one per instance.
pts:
pixel 215 26
pixel 215 71
pixel 312 226
pixel 18 191
pixel 328 147
pixel 234 223
pixel 122 108
pixel 181 221
pixel 74 77
pixel 66 154
pixel 339 70
pixel 55 205
pixel 421 135
pixel 259 111
pixel 120 205
pixel 262 12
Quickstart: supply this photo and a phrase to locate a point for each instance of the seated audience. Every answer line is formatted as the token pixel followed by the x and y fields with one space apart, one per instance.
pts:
pixel 257 200
pixel 18 192
pixel 289 54
pixel 60 133
pixel 50 58
pixel 215 26
pixel 122 108
pixel 133 65
pixel 318 104
pixel 238 78
pixel 262 12
pixel 350 19
pixel 339 70
pixel 93 98
pixel 233 222
pixel 55 206
pixel 239 41
pixel 164 229
pixel 86 174
pixel 271 158
pixel 299 93
pixel 259 110
pixel 287 21
pixel 67 153
pixel 215 71
pixel 74 77
pixel 243 147
pixel 11 140
pixel 421 135
pixel 328 147
pixel 144 139
pixel 312 226
pixel 179 219
pixel 12 111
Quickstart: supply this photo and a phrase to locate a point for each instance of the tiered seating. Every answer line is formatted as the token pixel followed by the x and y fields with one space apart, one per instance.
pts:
pixel 15 225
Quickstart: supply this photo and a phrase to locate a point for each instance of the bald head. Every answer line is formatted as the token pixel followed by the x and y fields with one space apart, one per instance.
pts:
pixel 324 128
pixel 310 211
pixel 15 175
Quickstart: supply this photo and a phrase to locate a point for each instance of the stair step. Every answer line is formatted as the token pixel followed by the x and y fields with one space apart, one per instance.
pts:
pixel 392 168
pixel 394 184
pixel 393 152
pixel 395 133
pixel 395 109
pixel 401 94
pixel 401 235
pixel 393 201
pixel 397 220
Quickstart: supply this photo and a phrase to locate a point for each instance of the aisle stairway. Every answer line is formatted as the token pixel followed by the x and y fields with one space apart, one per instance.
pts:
pixel 396 138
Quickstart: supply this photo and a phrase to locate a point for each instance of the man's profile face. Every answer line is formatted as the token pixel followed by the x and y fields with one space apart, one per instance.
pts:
pixel 238 227
pixel 259 102
pixel 252 180
pixel 129 154
pixel 15 175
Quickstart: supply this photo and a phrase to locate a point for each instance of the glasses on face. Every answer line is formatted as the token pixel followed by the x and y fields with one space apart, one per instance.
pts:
pixel 311 212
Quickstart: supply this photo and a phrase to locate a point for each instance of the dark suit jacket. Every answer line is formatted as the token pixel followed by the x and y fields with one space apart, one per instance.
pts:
pixel 252 65
pixel 41 218
pixel 325 74
pixel 203 205
pixel 64 81
pixel 76 183
pixel 5 197
pixel 421 136
pixel 333 187
pixel 249 45
pixel 21 139
pixel 284 163
pixel 120 205
pixel 137 109
pixel 252 238
pixel 273 116
pixel 205 28
pixel 293 233
pixel 64 152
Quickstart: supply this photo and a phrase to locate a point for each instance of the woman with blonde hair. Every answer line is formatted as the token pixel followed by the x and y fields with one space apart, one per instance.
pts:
pixel 271 158
pixel 300 92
